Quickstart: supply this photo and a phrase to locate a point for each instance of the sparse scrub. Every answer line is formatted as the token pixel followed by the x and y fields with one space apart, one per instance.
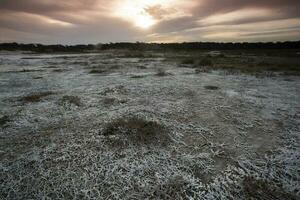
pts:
pixel 97 71
pixel 59 70
pixel 183 136
pixel 202 70
pixel 188 61
pixel 114 90
pixel 222 55
pixel 75 100
pixel 138 76
pixel 4 120
pixel 52 67
pixel 161 72
pixel 205 62
pixel 264 190
pixel 113 67
pixel 136 131
pixel 175 188
pixel 36 97
pixel 211 87
pixel 37 77
pixel 141 67
pixel 134 54
pixel 109 101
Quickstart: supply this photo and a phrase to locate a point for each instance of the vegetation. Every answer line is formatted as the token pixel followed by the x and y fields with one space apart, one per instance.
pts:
pixel 205 62
pixel 161 72
pixel 4 120
pixel 148 46
pixel 188 61
pixel 211 87
pixel 36 97
pixel 138 76
pixel 263 190
pixel 97 71
pixel 75 100
pixel 136 131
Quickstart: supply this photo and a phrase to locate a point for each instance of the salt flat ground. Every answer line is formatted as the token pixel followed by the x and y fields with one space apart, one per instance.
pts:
pixel 105 126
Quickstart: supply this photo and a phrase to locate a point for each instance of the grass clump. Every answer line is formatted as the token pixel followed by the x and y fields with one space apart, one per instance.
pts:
pixel 134 54
pixel 205 62
pixel 202 70
pixel 37 77
pixel 75 100
pixel 175 188
pixel 97 71
pixel 59 70
pixel 37 97
pixel 211 87
pixel 263 190
pixel 188 61
pixel 136 131
pixel 138 76
pixel 109 101
pixel 161 72
pixel 141 67
pixel 4 120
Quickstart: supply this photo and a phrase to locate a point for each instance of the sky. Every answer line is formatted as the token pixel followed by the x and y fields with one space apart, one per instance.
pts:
pixel 103 21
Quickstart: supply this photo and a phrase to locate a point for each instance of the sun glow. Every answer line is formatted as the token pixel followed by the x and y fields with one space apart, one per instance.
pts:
pixel 135 12
pixel 146 13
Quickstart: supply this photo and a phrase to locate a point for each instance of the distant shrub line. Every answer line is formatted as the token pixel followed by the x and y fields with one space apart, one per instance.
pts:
pixel 149 46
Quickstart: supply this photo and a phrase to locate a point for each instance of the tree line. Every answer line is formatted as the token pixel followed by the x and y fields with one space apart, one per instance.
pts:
pixel 149 46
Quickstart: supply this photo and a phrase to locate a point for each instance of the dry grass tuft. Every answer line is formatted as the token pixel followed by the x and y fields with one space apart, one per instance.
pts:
pixel 36 97
pixel 75 100
pixel 97 71
pixel 109 101
pixel 211 87
pixel 188 61
pixel 4 120
pixel 161 72
pixel 205 62
pixel 138 76
pixel 135 131
pixel 175 188
pixel 59 70
pixel 37 77
pixel 141 67
pixel 263 190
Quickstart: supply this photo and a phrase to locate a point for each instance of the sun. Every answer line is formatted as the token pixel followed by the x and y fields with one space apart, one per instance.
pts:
pixel 135 12
pixel 144 21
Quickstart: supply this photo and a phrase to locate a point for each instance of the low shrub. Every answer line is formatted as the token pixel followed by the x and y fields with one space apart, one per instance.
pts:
pixel 75 100
pixel 4 120
pixel 161 72
pixel 261 190
pixel 211 87
pixel 136 131
pixel 188 61
pixel 36 97
pixel 97 71
pixel 205 62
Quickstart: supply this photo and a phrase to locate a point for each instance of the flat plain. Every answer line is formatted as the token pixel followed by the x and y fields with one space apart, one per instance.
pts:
pixel 150 125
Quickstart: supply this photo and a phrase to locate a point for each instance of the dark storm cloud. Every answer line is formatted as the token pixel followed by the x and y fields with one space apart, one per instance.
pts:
pixel 76 21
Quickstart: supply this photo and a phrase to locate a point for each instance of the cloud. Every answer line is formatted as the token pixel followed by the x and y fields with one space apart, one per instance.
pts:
pixel 92 21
